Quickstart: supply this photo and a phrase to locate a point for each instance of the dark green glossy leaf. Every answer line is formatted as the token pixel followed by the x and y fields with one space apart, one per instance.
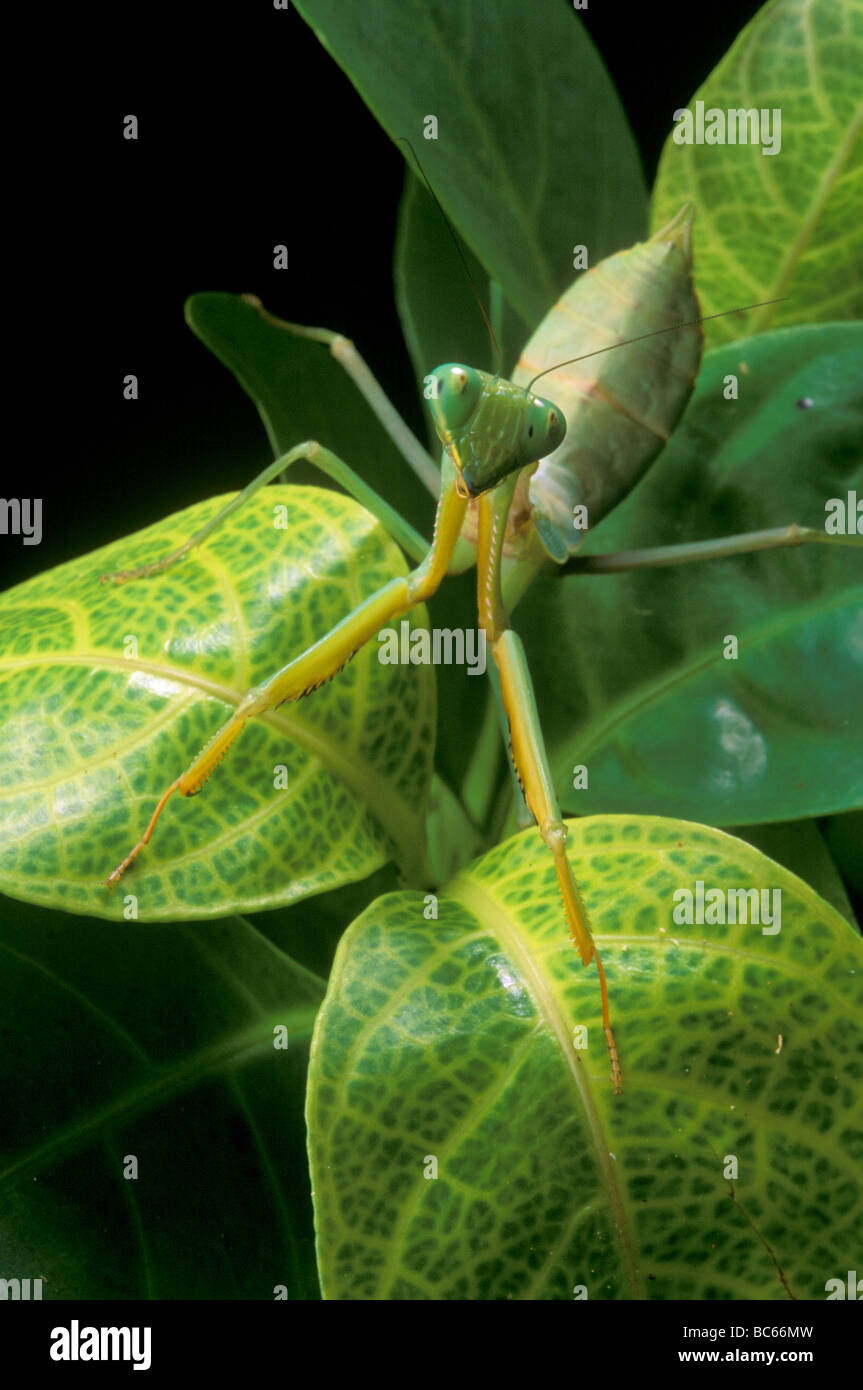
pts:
pixel 451 1042
pixel 108 693
pixel 155 1043
pixel 636 686
pixel 527 115
pixel 441 319
pixel 786 224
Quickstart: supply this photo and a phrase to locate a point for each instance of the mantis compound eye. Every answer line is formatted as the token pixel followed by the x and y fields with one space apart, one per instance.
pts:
pixel 453 392
pixel 544 429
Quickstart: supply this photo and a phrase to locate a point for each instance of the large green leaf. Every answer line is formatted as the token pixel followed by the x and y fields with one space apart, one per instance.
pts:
pixel 630 668
pixel 527 115
pixel 453 1040
pixel 156 1043
pixel 302 393
pixel 92 730
pixel 784 225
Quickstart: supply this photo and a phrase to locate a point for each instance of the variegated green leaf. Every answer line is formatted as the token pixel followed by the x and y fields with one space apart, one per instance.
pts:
pixel 464 1146
pixel 785 224
pixel 107 693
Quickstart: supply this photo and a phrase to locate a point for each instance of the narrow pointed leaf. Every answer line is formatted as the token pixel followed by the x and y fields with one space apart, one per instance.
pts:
pixel 441 319
pixel 526 115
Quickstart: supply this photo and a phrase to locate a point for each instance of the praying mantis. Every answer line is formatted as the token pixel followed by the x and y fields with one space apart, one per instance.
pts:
pixel 521 476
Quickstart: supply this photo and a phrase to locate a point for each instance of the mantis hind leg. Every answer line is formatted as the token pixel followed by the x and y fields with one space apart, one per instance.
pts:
pixel 323 660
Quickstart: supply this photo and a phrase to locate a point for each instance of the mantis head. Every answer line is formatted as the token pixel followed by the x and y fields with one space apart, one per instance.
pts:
pixel 489 427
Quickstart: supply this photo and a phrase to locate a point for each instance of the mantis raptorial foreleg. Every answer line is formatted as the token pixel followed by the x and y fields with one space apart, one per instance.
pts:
pixel 526 741
pixel 328 462
pixel 320 662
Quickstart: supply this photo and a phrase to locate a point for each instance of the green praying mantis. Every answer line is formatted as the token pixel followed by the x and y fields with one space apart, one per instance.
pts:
pixel 521 477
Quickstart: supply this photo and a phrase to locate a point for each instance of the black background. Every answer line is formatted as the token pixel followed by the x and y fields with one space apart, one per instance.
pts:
pixel 234 106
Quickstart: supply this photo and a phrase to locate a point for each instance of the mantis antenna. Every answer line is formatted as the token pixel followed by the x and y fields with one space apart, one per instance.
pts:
pixel 684 323
pixel 497 352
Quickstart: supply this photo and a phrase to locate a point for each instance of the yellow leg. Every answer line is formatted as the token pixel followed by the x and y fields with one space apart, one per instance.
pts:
pixel 528 748
pixel 321 661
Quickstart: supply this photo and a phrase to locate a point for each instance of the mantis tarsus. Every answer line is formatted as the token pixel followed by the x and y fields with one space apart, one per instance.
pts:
pixel 514 467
